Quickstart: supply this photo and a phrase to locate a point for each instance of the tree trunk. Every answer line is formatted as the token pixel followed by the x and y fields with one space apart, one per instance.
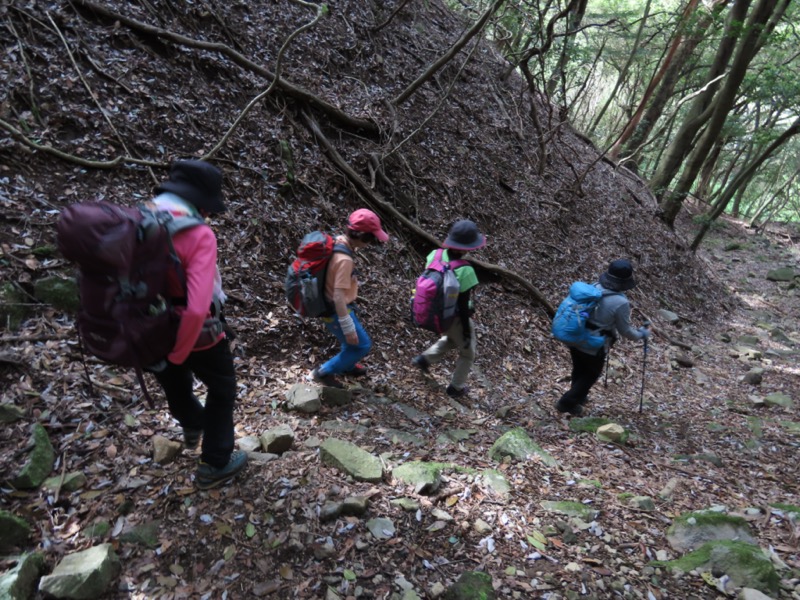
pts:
pixel 742 179
pixel 559 75
pixel 699 111
pixel 760 25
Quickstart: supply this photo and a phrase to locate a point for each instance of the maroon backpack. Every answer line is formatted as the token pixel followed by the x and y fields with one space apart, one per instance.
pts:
pixel 124 256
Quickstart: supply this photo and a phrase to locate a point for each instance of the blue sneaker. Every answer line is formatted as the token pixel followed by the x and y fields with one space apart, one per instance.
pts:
pixel 207 476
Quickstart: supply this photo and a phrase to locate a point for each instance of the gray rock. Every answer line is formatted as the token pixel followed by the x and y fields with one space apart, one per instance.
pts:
pixel 754 376
pixel 83 575
pixel 412 413
pixel 751 594
pixel 144 534
pixel 779 336
pixel 516 444
pixel 407 504
pixel 336 396
pixel 165 450
pixel 304 398
pixel 352 460
pixel 261 458
pixel 669 489
pixel 249 443
pixel 684 360
pixel 19 582
pixel 381 528
pixel 9 413
pixel 330 511
pixel 425 477
pixel 59 293
pixel 277 440
pixel 40 462
pixel 642 503
pixel 14 530
pixel 397 436
pixel 496 482
pixel 691 530
pixel 612 432
pixel 669 316
pixel 748 340
pixel 71 483
pixel 354 506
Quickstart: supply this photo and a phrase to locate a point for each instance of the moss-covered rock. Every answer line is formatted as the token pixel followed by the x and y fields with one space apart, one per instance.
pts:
pixel 587 424
pixel 792 511
pixel 424 476
pixel 691 530
pixel 9 413
pixel 59 293
pixel 612 432
pixel 746 564
pixel 472 585
pixel 19 582
pixel 518 445
pixel 571 509
pixel 14 530
pixel 13 306
pixel 40 462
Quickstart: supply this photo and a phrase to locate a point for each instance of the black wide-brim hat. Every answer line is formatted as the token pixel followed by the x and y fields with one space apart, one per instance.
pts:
pixel 464 235
pixel 619 276
pixel 197 182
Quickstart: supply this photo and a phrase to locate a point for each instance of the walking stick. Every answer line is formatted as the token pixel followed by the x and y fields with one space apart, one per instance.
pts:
pixel 644 368
pixel 605 383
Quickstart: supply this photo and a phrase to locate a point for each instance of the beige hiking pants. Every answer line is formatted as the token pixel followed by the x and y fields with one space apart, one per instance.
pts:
pixel 454 340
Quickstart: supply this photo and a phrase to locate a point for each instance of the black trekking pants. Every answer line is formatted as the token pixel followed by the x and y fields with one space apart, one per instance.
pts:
pixel 214 367
pixel 586 370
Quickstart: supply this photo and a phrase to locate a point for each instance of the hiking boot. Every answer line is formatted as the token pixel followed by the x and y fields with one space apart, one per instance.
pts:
pixel 191 438
pixel 575 410
pixel 207 476
pixel 421 363
pixel 326 380
pixel 454 392
pixel 358 370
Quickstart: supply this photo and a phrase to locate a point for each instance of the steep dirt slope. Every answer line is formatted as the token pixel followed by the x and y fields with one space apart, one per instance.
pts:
pixel 464 145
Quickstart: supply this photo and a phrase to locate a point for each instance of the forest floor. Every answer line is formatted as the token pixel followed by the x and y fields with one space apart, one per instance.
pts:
pixel 261 536
pixel 461 155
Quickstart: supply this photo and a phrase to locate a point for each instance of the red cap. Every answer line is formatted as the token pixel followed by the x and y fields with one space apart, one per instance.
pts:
pixel 367 221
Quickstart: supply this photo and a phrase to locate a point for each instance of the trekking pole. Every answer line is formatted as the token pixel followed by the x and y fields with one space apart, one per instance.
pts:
pixel 605 383
pixel 644 368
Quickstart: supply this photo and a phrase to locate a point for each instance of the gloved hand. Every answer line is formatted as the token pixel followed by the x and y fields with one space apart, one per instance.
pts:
pixel 157 367
pixel 645 331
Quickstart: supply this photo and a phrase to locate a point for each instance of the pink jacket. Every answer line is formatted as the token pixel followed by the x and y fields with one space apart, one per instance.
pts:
pixel 197 249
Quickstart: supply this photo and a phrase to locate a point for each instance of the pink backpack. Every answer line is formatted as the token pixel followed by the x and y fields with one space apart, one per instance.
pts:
pixel 433 305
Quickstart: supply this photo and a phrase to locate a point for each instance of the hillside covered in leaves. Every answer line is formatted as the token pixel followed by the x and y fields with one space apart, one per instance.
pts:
pixel 309 113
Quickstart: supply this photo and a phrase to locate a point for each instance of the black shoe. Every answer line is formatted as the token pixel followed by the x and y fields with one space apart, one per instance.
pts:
pixel 454 392
pixel 421 363
pixel 326 380
pixel 575 409
pixel 207 476
pixel 358 370
pixel 191 438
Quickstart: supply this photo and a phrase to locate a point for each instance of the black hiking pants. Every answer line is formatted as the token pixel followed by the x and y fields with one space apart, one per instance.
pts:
pixel 214 367
pixel 586 370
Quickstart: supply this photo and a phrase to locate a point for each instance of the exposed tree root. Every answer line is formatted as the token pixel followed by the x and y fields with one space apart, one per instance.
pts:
pixel 377 201
pixel 287 88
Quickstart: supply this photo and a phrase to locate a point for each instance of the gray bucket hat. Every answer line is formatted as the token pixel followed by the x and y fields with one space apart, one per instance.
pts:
pixel 619 276
pixel 464 235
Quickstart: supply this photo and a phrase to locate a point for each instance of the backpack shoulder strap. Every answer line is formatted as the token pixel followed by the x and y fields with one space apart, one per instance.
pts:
pixel 342 249
pixel 176 224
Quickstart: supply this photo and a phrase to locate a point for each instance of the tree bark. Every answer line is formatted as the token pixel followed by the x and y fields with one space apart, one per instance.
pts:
pixel 763 19
pixel 741 179
pixel 699 111
pixel 445 58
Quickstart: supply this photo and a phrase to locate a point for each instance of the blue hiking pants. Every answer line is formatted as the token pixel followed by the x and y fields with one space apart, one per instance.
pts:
pixel 349 355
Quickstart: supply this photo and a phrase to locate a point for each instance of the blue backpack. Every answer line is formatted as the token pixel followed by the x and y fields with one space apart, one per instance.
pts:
pixel 569 324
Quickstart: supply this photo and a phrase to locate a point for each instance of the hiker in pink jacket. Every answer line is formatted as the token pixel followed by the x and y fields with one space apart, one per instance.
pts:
pixel 194 188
